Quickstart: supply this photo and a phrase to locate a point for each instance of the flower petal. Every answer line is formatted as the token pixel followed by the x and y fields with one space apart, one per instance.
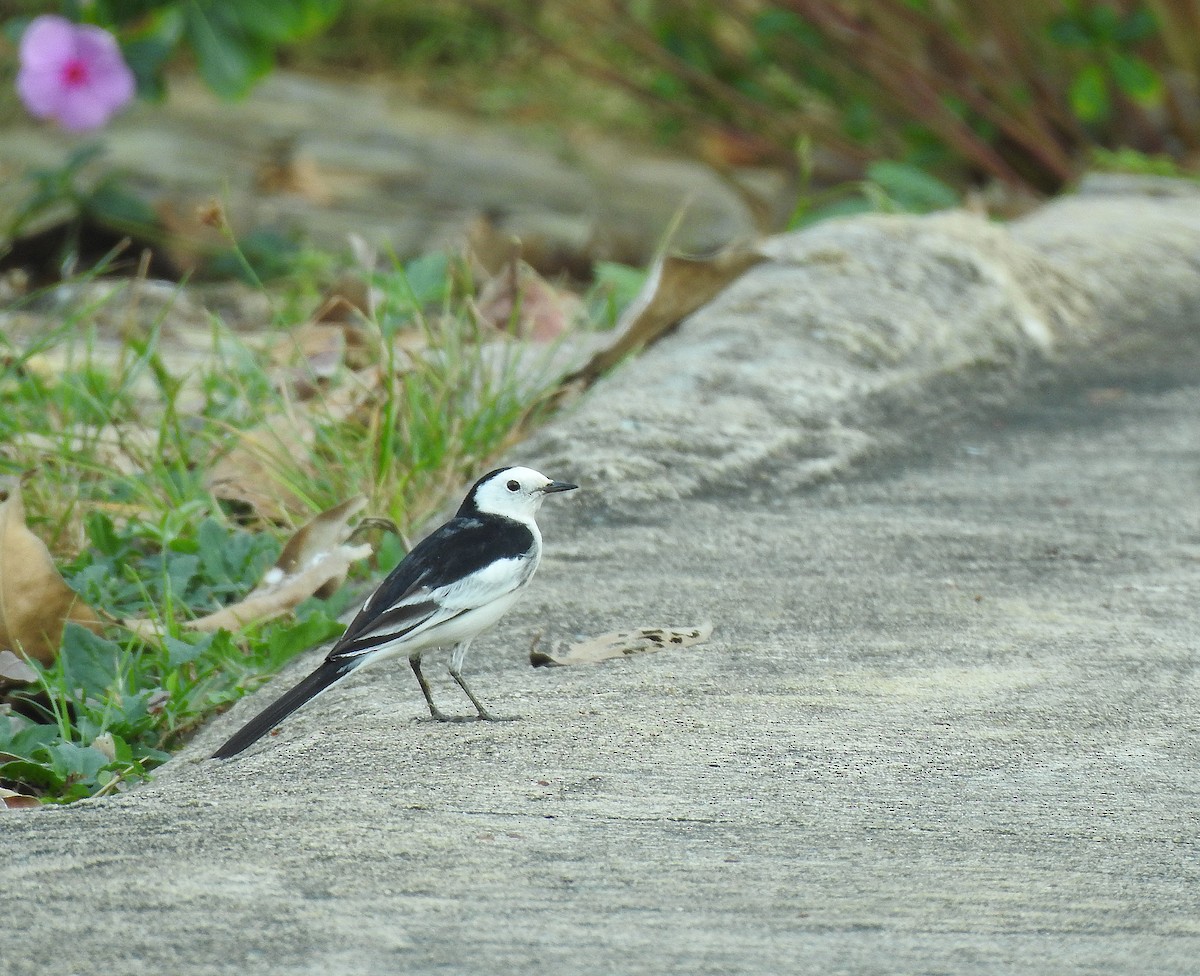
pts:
pixel 117 82
pixel 47 43
pixel 97 47
pixel 40 90
pixel 84 109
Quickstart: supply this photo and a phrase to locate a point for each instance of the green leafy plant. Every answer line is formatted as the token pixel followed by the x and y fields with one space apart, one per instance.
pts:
pixel 122 441
pixel 1106 39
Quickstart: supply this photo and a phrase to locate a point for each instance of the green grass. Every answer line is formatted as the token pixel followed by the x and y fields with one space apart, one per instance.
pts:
pixel 113 440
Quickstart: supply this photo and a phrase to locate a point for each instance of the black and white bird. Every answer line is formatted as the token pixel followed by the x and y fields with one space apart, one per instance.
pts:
pixel 454 584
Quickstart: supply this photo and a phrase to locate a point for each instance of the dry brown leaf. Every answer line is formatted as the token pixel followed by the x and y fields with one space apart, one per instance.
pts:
pixel 623 643
pixel 312 542
pixel 314 562
pixel 35 601
pixel 124 450
pixel 255 471
pixel 349 300
pixel 520 302
pixel 675 288
pixel 13 670
pixel 317 347
pixel 266 602
pixel 12 800
pixel 491 249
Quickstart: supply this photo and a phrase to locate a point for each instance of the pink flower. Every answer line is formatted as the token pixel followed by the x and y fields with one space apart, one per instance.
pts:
pixel 72 73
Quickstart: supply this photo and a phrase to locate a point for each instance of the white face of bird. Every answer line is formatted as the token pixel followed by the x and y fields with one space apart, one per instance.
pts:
pixel 515 493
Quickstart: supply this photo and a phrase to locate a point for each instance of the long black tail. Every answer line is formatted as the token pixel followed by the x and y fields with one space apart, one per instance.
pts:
pixel 262 723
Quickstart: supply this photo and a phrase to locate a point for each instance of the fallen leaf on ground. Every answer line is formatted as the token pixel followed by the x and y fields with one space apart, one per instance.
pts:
pixel 258 469
pixel 13 800
pixel 316 349
pixel 314 541
pixel 623 643
pixel 675 287
pixel 315 561
pixel 35 601
pixel 520 302
pixel 15 671
pixel 350 300
pixel 490 247
pixel 255 472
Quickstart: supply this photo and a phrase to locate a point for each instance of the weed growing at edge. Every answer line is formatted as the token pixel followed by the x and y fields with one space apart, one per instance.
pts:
pixel 120 461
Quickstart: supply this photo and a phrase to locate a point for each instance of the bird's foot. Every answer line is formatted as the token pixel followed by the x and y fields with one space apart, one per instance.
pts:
pixel 440 716
pixel 486 716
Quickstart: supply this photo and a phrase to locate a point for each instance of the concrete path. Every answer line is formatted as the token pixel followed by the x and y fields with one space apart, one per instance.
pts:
pixel 948 722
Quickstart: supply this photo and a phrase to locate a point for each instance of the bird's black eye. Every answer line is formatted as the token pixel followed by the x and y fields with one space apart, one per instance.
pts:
pixel 514 485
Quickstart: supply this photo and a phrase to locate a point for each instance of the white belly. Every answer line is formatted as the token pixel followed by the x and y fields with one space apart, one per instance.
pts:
pixel 465 625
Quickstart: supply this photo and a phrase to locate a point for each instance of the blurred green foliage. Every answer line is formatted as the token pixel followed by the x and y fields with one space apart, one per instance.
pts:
pixel 233 44
pixel 1016 91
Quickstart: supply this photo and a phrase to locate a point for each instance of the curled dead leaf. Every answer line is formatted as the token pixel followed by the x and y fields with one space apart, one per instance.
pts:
pixel 314 562
pixel 520 302
pixel 314 541
pixel 256 471
pixel 35 601
pixel 675 287
pixel 259 470
pixel 14 671
pixel 12 800
pixel 277 597
pixel 622 643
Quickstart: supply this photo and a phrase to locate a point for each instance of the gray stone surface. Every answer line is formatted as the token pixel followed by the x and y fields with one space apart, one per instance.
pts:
pixel 935 482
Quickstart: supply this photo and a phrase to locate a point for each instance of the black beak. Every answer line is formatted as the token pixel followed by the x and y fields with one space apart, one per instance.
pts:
pixel 559 486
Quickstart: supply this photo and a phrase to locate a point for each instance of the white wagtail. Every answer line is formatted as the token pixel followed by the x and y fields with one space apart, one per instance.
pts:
pixel 454 584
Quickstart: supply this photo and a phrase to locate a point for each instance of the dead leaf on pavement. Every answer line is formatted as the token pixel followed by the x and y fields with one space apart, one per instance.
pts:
pixel 315 560
pixel 35 601
pixel 675 287
pixel 623 643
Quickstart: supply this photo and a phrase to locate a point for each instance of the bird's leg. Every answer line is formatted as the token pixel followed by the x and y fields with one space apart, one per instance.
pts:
pixel 484 714
pixel 414 661
pixel 456 663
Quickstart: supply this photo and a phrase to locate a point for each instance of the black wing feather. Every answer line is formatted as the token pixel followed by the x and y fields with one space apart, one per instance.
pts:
pixel 386 626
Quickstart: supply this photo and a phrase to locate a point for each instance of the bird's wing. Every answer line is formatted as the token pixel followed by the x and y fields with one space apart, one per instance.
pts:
pixel 465 564
pixel 390 624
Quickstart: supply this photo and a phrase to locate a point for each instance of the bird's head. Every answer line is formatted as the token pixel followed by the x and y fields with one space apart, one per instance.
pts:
pixel 515 493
